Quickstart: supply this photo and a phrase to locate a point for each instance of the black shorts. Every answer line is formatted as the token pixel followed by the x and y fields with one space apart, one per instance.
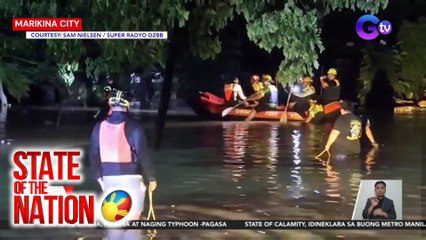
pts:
pixel 344 149
pixel 318 118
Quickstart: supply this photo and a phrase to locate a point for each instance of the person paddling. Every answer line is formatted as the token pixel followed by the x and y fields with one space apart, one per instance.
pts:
pixel 267 98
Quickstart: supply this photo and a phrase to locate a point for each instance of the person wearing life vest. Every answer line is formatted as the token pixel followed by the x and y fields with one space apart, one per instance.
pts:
pixel 234 93
pixel 315 112
pixel 238 94
pixel 307 89
pixel 331 87
pixel 119 155
pixel 256 84
pixel 267 99
pixel 301 95
pixel 267 77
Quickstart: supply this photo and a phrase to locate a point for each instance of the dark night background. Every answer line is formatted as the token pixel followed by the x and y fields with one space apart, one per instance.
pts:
pixel 242 57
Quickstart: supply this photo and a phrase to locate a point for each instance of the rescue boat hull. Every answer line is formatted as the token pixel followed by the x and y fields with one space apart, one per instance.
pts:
pixel 211 106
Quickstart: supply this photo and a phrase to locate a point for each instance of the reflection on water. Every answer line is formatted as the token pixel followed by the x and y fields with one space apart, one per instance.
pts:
pixel 370 160
pixel 257 158
pixel 235 138
pixel 251 147
pixel 211 171
pixel 297 183
pixel 272 156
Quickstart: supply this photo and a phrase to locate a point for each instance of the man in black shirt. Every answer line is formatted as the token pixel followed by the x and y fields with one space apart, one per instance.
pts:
pixel 379 206
pixel 346 133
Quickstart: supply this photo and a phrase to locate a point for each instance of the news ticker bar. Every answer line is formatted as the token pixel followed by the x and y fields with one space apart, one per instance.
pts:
pixel 96 35
pixel 243 224
pixel 273 224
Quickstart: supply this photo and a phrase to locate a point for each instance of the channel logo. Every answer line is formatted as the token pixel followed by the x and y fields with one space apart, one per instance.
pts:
pixel 375 27
pixel 116 205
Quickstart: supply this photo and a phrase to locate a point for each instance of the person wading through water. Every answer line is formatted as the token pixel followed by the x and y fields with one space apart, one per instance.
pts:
pixel 119 157
pixel 347 131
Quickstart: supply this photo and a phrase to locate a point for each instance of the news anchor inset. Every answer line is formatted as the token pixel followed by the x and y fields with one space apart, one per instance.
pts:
pixel 379 206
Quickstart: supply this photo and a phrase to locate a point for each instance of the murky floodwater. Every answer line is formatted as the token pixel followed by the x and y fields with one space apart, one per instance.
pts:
pixel 258 170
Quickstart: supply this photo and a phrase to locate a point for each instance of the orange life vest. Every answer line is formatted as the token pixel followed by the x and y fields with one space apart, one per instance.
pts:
pixel 228 92
pixel 114 147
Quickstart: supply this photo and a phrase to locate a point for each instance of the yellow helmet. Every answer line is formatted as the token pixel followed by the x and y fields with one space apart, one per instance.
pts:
pixel 332 71
pixel 266 77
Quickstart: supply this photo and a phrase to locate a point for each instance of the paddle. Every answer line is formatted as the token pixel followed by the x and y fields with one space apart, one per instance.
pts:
pixel 283 118
pixel 229 109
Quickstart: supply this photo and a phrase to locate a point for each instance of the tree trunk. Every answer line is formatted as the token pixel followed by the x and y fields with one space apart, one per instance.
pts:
pixel 4 105
pixel 166 89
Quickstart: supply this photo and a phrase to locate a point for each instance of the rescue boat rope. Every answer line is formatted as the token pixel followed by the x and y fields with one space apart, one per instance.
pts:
pixel 151 233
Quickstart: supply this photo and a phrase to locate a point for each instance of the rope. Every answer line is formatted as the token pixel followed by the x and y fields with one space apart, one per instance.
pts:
pixel 319 155
pixel 151 233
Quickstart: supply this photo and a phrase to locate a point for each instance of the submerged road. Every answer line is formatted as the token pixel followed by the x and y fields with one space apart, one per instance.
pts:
pixel 258 170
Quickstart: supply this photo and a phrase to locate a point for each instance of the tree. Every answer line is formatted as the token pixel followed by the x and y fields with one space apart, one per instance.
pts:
pixel 413 61
pixel 288 25
pixel 291 26
pixel 403 62
pixel 380 57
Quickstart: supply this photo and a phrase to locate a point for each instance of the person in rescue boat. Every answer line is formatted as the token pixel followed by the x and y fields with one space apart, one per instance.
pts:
pixel 307 89
pixel 119 154
pixel 256 84
pixel 237 91
pixel 267 98
pixel 330 87
pixel 234 93
pixel 301 95
pixel 315 112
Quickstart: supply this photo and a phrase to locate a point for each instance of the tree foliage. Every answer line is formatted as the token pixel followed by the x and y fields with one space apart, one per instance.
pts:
pixel 291 26
pixel 380 57
pixel 294 29
pixel 403 62
pixel 413 61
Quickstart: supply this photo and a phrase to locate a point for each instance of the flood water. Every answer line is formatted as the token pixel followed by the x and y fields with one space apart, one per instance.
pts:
pixel 258 170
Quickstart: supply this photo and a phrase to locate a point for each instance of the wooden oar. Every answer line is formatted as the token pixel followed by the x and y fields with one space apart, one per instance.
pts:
pixel 283 118
pixel 229 109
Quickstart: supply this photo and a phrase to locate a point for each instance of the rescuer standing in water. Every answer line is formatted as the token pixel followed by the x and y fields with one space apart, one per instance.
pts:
pixel 347 131
pixel 119 156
